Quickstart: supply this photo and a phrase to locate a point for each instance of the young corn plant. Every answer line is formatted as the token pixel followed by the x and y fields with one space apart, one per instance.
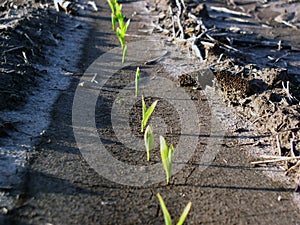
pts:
pixel 137 80
pixel 149 141
pixel 117 16
pixel 167 153
pixel 167 217
pixel 122 29
pixel 146 113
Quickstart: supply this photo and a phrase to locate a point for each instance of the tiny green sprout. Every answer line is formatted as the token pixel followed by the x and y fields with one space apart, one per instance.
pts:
pixel 137 79
pixel 146 113
pixel 120 101
pixel 167 217
pixel 149 141
pixel 122 29
pixel 167 154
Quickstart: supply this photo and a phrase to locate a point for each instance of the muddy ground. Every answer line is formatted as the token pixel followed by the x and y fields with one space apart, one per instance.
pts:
pixel 252 49
pixel 62 188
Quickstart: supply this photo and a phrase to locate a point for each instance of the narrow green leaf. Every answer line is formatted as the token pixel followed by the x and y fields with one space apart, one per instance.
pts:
pixel 120 37
pixel 127 25
pixel 137 79
pixel 124 28
pixel 111 4
pixel 165 211
pixel 119 15
pixel 149 141
pixel 184 213
pixel 167 163
pixel 148 113
pixel 143 113
pixel 163 148
pixel 113 22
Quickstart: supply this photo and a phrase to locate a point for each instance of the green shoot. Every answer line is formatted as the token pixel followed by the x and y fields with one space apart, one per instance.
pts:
pixel 124 53
pixel 112 5
pixel 117 16
pixel 146 113
pixel 166 213
pixel 167 154
pixel 184 213
pixel 137 79
pixel 122 29
pixel 149 141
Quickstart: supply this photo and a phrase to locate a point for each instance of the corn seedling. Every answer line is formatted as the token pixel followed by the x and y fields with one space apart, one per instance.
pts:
pixel 137 79
pixel 146 113
pixel 167 153
pixel 149 141
pixel 117 15
pixel 167 217
pixel 122 29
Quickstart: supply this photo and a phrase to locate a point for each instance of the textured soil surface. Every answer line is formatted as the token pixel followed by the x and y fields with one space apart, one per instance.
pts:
pixel 252 49
pixel 26 31
pixel 63 187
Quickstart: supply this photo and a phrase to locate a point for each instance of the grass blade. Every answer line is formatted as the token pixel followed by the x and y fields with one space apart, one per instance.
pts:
pixel 184 213
pixel 165 211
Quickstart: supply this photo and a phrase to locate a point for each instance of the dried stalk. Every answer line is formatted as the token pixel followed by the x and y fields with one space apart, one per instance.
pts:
pixel 229 11
pixel 158 27
pixel 277 159
pixel 278 145
pixel 13 49
pixel 173 22
pixel 179 13
pixel 287 90
pixel 293 145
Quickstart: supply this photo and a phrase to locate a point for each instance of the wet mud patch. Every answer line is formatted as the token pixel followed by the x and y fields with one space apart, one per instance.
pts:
pixel 64 189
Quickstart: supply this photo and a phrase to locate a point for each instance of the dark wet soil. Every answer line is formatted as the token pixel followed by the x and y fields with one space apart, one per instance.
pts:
pixel 63 189
pixel 20 38
pixel 28 29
